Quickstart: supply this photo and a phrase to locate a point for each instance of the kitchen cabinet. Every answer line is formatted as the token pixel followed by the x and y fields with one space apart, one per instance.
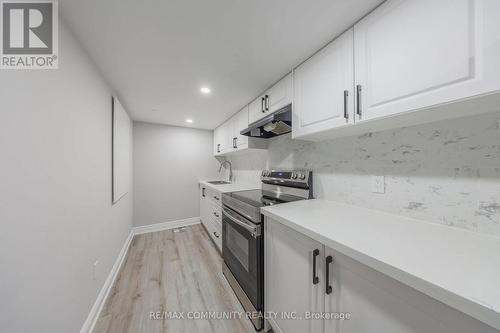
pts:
pixel 276 97
pixel 352 296
pixel 240 122
pixel 290 287
pixel 211 213
pixel 411 55
pixel 222 138
pixel 324 89
pixel 227 137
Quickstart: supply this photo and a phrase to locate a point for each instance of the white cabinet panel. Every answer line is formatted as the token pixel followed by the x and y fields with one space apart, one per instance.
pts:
pixel 240 122
pixel 256 109
pixel 289 278
pixel 323 89
pixel 279 95
pixel 204 206
pixel 276 97
pixel 415 54
pixel 378 303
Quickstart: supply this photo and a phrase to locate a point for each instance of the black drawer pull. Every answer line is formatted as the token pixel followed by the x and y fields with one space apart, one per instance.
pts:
pixel 328 287
pixel 315 274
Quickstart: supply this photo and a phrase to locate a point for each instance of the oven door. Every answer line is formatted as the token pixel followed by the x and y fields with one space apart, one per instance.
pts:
pixel 242 250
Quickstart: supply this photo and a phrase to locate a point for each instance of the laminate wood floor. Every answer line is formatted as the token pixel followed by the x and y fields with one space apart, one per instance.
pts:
pixel 171 271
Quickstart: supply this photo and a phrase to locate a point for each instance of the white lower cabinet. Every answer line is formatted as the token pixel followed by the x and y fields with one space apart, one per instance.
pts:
pixel 354 299
pixel 289 286
pixel 211 213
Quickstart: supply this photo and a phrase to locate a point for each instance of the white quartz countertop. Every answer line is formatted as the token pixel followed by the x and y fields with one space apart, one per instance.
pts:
pixel 457 267
pixel 233 187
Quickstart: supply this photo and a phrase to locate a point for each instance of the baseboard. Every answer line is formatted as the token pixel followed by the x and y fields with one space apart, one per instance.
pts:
pixel 91 320
pixel 89 324
pixel 165 225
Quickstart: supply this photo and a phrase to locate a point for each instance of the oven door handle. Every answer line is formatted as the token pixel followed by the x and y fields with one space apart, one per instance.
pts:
pixel 254 230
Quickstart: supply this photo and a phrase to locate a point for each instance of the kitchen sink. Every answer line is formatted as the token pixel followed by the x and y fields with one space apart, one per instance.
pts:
pixel 218 182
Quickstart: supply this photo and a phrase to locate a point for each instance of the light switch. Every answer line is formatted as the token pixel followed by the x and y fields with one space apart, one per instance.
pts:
pixel 378 184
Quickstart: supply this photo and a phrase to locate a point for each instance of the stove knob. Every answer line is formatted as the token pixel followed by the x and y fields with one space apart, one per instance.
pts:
pixel 302 176
pixel 294 176
pixel 263 174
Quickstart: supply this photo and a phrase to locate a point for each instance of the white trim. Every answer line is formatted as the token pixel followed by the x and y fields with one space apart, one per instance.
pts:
pixel 88 325
pixel 165 225
pixel 95 311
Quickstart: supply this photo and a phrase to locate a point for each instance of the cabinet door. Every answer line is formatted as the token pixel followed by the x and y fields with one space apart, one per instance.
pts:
pixel 256 109
pixel 416 54
pixel 289 287
pixel 239 124
pixel 223 138
pixel 378 303
pixel 323 89
pixel 218 140
pixel 205 205
pixel 279 95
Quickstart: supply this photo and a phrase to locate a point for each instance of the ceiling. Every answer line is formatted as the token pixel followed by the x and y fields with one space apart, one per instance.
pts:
pixel 156 54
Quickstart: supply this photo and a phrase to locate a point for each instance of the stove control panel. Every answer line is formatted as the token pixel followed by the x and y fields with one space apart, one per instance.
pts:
pixel 282 176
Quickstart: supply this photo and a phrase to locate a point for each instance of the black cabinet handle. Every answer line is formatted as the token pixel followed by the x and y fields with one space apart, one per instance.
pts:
pixel 328 287
pixel 267 102
pixel 216 235
pixel 218 147
pixel 315 273
pixel 346 113
pixel 216 215
pixel 216 198
pixel 203 192
pixel 358 100
pixel 262 101
pixel 234 142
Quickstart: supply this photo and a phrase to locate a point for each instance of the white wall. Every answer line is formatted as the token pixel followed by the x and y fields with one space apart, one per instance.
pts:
pixel 445 172
pixel 55 194
pixel 168 163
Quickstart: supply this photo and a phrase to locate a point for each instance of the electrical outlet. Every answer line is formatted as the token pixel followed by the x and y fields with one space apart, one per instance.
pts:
pixel 378 184
pixel 94 269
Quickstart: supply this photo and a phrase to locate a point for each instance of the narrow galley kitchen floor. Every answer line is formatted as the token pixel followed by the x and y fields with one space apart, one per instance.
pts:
pixel 171 272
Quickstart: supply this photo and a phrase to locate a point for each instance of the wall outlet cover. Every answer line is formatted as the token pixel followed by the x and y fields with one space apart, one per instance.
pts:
pixel 378 184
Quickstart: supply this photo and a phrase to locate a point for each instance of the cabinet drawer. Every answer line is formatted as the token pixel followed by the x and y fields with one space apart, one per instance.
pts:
pixel 215 212
pixel 213 195
pixel 214 229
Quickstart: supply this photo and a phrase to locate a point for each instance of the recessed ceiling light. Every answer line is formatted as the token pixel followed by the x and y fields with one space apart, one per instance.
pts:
pixel 205 90
pixel 190 121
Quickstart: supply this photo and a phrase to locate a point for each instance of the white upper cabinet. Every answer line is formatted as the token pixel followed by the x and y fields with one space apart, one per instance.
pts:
pixel 279 95
pixel 323 89
pixel 256 109
pixel 222 138
pixel 227 137
pixel 411 55
pixel 276 97
pixel 240 122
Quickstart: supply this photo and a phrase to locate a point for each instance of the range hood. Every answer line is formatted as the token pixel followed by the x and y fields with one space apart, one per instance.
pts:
pixel 277 123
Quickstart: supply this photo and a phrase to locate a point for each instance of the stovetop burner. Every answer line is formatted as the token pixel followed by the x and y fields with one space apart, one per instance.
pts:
pixel 277 187
pixel 261 198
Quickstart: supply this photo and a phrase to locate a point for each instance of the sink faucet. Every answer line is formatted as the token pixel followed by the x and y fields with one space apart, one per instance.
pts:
pixel 230 169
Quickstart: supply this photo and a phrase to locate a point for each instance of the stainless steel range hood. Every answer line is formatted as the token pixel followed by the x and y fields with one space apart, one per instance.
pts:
pixel 277 123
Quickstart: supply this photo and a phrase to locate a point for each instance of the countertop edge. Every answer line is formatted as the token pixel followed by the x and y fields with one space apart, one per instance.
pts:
pixel 461 303
pixel 224 188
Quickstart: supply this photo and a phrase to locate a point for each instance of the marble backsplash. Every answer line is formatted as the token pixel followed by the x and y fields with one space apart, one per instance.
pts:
pixel 445 172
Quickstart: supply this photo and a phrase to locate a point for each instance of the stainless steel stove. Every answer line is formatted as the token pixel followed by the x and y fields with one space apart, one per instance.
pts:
pixel 242 233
